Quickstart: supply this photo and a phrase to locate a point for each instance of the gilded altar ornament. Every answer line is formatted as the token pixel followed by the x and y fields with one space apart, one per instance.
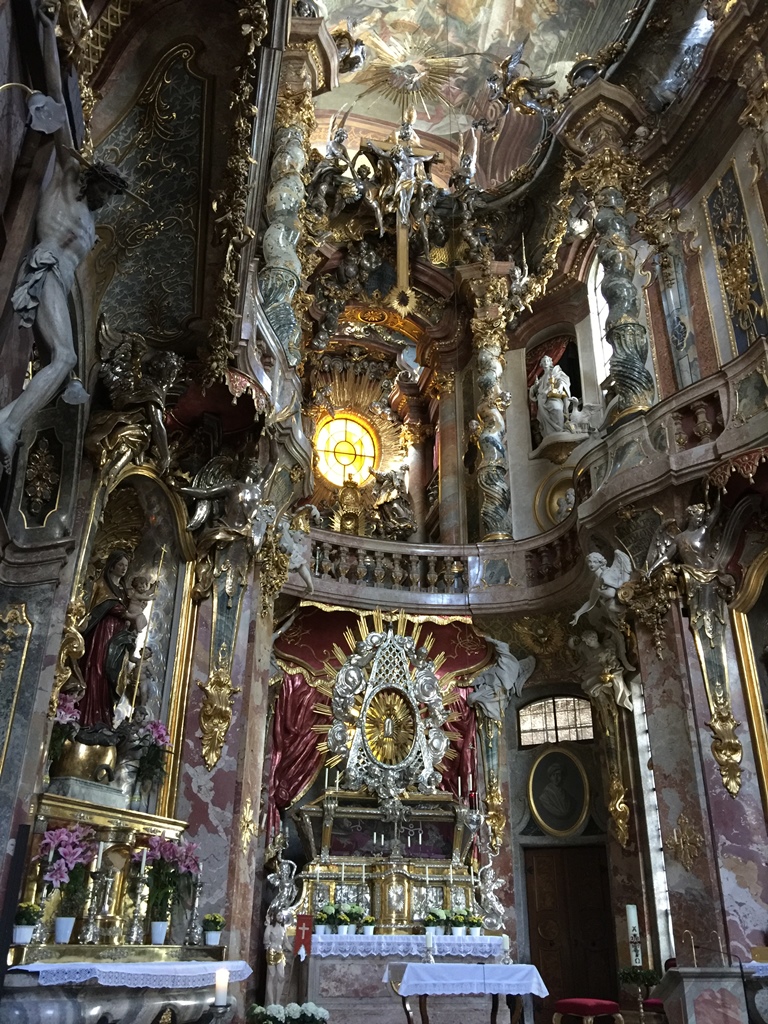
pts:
pixel 495 817
pixel 41 479
pixel 71 650
pixel 15 634
pixel 230 205
pixel 685 842
pixel 248 827
pixel 618 808
pixel 274 563
pixel 216 709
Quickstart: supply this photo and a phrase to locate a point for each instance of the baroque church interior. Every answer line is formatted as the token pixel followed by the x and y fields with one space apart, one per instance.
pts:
pixel 384 511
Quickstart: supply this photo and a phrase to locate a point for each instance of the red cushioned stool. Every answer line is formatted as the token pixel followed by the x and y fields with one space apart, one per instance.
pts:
pixel 587 1010
pixel 654 1006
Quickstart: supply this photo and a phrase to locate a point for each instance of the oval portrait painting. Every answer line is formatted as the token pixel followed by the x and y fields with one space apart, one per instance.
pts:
pixel 558 792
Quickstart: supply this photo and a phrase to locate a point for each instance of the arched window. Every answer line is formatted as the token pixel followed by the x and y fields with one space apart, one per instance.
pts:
pixel 346 447
pixel 555 720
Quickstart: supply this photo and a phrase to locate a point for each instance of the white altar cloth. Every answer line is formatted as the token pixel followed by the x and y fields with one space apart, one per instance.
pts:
pixel 406 945
pixel 161 974
pixel 760 970
pixel 466 979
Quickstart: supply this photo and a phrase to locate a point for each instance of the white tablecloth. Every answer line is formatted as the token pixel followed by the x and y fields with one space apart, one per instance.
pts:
pixel 165 974
pixel 406 945
pixel 466 979
pixel 759 970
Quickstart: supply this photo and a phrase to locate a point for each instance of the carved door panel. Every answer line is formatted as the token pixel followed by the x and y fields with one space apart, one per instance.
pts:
pixel 570 922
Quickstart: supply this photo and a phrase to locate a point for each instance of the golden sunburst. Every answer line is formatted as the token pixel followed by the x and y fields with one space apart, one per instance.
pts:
pixel 390 728
pixel 406 70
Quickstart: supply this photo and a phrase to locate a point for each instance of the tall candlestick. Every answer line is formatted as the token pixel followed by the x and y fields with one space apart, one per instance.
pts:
pixel 459 781
pixel 222 984
pixel 450 874
pixel 427 875
pixel 632 924
pixel 342 874
pixel 99 856
pixel 337 781
pixel 143 860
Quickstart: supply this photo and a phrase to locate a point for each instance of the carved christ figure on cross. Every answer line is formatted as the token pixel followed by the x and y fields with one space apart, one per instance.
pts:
pixel 400 170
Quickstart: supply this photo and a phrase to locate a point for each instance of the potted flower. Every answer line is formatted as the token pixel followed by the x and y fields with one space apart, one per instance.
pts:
pixel 321 922
pixel 355 913
pixel 150 769
pixel 325 918
pixel 435 921
pixel 213 925
pixel 342 923
pixel 459 921
pixel 27 916
pixel 293 1013
pixel 475 924
pixel 369 924
pixel 69 851
pixel 172 864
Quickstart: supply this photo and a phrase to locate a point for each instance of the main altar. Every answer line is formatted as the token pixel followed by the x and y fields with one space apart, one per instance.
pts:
pixel 383 837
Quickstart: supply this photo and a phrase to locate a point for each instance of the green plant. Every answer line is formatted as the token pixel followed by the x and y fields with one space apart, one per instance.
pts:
pixel 213 923
pixel 28 913
pixel 474 921
pixel 458 917
pixel 321 918
pixel 327 914
pixel 368 920
pixel 341 918
pixel 435 916
pixel 354 912
pixel 644 977
pixel 74 893
pixel 151 766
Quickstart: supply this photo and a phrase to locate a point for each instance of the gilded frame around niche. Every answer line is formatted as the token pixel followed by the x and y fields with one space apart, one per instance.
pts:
pixel 751 590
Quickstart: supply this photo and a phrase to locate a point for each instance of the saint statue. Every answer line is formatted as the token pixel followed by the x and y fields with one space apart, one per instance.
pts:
pixel 110 639
pixel 552 394
pixel 274 944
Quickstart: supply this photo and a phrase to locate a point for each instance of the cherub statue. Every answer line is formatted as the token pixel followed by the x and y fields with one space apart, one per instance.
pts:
pixel 494 686
pixel 282 879
pixel 352 52
pixel 235 496
pixel 293 534
pixel 603 601
pixel 490 904
pixel 138 376
pixel 66 233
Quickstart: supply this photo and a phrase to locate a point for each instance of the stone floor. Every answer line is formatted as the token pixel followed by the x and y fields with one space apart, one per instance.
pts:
pixel 442 1010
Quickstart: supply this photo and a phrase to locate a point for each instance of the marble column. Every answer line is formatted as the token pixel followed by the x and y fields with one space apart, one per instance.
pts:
pixel 418 476
pixel 451 468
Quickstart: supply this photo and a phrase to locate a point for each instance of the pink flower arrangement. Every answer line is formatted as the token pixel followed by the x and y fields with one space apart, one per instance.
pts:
pixel 159 734
pixel 66 710
pixel 65 848
pixel 169 860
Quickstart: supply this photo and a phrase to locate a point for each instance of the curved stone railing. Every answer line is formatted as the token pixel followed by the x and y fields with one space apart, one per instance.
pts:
pixel 701 430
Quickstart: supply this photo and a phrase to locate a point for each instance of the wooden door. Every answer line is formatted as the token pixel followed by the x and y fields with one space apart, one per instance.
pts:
pixel 570 923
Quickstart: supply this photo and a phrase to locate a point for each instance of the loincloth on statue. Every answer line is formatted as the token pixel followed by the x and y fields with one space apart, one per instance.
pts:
pixel 274 957
pixel 40 262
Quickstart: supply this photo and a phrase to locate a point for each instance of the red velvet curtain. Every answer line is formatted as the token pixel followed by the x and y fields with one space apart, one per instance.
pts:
pixel 295 757
pixel 465 764
pixel 555 349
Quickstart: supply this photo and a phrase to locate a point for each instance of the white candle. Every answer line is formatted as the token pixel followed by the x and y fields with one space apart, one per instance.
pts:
pixel 374 838
pixel 342 874
pixel 326 778
pixel 143 860
pixel 472 877
pixel 429 940
pixel 317 872
pixel 50 856
pixel 337 781
pixel 450 874
pixel 409 839
pixel 427 875
pixel 470 782
pixel 505 943
pixel 222 984
pixel 632 926
pixel 363 874
pixel 459 780
pixel 100 855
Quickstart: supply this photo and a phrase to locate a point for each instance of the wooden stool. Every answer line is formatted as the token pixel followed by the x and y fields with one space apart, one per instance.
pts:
pixel 587 1010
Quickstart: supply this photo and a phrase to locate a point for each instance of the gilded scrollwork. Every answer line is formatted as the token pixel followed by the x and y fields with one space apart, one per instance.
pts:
pixel 41 479
pixel 71 651
pixel 216 709
pixel 495 818
pixel 685 843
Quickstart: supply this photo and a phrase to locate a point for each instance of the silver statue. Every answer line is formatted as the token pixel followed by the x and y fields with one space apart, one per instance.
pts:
pixel 66 233
pixel 490 904
pixel 494 687
pixel 552 394
pixel 392 509
pixel 292 539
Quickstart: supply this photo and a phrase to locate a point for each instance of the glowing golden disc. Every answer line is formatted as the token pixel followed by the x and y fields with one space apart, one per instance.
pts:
pixel 390 729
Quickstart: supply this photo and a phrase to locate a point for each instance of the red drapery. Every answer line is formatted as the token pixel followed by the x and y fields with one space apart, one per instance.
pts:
pixel 554 348
pixel 295 757
pixel 465 764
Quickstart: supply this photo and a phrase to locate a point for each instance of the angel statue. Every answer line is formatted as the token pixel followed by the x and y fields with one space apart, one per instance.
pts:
pixel 494 686
pixel 137 376
pixel 529 95
pixel 234 496
pixel 490 904
pixel 293 534
pixel 603 601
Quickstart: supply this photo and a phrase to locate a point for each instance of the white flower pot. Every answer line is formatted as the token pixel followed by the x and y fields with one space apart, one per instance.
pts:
pixel 369 929
pixel 212 938
pixel 439 929
pixel 475 931
pixel 63 928
pixel 351 929
pixel 320 929
pixel 429 929
pixel 342 929
pixel 157 931
pixel 22 933
pixel 458 930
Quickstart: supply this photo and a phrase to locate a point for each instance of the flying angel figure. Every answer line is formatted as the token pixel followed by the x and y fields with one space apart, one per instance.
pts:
pixel 527 94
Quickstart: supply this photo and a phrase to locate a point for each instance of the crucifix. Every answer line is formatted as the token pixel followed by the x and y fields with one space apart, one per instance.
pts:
pixel 411 166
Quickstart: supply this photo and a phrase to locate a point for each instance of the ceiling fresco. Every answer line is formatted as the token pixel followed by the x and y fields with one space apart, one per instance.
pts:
pixel 420 34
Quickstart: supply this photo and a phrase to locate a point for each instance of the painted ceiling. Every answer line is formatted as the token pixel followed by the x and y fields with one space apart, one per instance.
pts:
pixel 419 32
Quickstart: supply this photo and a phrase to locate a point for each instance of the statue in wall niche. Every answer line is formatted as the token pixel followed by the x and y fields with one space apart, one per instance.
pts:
pixel 275 947
pixel 114 621
pixel 552 394
pixel 493 688
pixel 137 376
pixel 133 740
pixel 66 233
pixel 565 505
pixel 391 507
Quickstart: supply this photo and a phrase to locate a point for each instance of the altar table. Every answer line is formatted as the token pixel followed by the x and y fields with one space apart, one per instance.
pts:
pixel 424 979
pixel 477 946
pixel 163 974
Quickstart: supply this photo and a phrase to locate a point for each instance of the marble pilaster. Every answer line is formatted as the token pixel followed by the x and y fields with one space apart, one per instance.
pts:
pixel 451 469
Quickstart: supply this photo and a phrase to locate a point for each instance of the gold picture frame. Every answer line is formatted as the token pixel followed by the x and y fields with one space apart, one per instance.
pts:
pixel 559 805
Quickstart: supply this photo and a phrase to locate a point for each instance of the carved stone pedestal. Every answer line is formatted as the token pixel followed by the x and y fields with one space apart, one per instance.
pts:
pixel 703 995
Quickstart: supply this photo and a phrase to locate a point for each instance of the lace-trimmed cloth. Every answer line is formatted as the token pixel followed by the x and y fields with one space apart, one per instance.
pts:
pixel 167 974
pixel 405 945
pixel 465 979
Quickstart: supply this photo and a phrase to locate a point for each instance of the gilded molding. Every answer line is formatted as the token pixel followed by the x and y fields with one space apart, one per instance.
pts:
pixel 216 709
pixel 685 843
pixel 248 827
pixel 618 807
pixel 71 650
pixel 495 817
pixel 15 635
